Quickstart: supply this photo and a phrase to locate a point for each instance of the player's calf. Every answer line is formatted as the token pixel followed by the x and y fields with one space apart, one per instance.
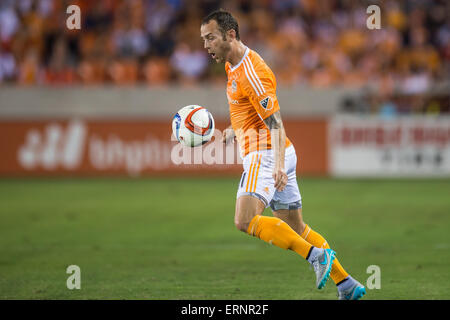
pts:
pixel 293 217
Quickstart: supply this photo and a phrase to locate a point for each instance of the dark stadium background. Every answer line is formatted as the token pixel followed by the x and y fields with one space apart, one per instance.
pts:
pixel 89 176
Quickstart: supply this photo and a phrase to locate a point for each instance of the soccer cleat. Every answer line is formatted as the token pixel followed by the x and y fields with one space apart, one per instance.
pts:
pixel 322 267
pixel 355 292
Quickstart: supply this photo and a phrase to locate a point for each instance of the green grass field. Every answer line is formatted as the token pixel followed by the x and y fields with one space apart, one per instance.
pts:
pixel 175 239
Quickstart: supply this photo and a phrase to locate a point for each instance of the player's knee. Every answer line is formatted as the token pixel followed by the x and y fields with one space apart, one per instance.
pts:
pixel 242 226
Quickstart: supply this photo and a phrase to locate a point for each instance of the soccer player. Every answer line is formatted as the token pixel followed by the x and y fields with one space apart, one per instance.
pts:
pixel 269 158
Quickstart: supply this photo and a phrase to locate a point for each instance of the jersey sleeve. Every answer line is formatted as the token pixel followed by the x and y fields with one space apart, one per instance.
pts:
pixel 259 85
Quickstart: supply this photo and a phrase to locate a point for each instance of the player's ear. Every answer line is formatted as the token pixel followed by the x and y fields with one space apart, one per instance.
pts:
pixel 231 34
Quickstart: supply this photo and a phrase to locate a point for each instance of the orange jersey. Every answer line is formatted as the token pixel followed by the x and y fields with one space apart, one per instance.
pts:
pixel 251 93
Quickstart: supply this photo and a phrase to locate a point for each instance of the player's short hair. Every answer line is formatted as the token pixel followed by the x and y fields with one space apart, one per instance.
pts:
pixel 224 20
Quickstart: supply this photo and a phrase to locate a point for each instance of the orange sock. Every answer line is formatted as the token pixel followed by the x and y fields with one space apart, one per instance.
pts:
pixel 337 271
pixel 277 232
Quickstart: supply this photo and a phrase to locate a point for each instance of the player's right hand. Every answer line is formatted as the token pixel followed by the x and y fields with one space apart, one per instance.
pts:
pixel 228 135
pixel 280 177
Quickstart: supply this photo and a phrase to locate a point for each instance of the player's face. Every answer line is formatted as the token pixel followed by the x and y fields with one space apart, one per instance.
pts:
pixel 213 40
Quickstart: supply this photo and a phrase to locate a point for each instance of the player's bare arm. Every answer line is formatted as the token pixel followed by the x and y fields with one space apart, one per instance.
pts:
pixel 278 138
pixel 228 135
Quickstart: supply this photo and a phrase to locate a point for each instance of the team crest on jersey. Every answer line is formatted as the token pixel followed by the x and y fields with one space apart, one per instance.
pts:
pixel 233 86
pixel 265 103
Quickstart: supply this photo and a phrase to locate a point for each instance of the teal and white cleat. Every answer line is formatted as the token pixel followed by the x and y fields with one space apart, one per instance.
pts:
pixel 322 266
pixel 354 292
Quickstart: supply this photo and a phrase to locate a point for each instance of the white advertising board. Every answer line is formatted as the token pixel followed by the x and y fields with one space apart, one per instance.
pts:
pixel 403 146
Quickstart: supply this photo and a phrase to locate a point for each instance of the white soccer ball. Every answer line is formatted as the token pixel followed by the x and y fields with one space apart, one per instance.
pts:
pixel 193 125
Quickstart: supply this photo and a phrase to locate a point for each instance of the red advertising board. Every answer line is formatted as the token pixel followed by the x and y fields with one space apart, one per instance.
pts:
pixel 89 147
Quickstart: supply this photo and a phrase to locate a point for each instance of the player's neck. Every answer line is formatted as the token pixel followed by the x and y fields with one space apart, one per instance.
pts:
pixel 237 53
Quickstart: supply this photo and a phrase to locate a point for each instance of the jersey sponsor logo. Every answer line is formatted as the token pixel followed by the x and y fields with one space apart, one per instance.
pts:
pixel 232 101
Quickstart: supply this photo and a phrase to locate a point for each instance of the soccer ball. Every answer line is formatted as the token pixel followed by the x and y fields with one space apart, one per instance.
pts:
pixel 193 126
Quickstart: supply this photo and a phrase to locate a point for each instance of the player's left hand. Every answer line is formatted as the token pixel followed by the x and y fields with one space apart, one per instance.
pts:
pixel 281 179
pixel 228 135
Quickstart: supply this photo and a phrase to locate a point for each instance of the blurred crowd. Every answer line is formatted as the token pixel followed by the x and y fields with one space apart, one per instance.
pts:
pixel 321 43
